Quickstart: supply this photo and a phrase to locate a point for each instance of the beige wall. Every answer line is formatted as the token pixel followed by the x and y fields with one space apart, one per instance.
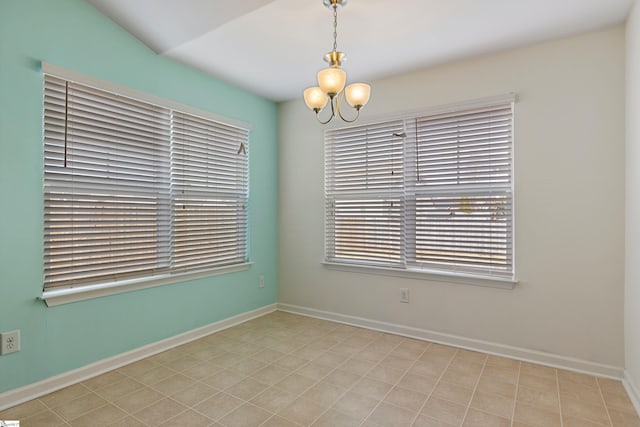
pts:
pixel 632 279
pixel 569 201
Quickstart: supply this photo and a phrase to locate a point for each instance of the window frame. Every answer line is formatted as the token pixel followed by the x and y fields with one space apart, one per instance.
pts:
pixel 66 294
pixel 407 269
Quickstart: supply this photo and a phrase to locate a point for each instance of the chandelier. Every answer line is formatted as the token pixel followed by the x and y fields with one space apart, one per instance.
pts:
pixel 331 81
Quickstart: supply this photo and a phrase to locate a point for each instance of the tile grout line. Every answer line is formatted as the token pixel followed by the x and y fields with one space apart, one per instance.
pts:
pixel 300 395
pixel 559 398
pixel 364 420
pixel 365 376
pixel 475 387
pixel 321 379
pixel 604 402
pixel 515 397
pixel 415 418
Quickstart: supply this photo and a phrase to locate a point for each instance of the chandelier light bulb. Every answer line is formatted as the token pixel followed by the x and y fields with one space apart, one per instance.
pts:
pixel 315 98
pixel 332 80
pixel 358 94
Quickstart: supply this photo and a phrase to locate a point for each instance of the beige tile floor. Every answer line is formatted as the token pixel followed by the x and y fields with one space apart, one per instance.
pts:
pixel 284 370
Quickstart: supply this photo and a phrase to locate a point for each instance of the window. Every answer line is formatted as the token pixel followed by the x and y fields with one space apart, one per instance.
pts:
pixel 429 193
pixel 135 190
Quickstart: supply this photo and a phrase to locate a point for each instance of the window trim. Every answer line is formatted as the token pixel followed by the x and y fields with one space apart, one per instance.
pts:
pixel 80 293
pixel 64 295
pixel 413 272
pixel 424 274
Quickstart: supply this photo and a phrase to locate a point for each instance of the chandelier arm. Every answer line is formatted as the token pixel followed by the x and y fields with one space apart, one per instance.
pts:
pixel 333 113
pixel 339 102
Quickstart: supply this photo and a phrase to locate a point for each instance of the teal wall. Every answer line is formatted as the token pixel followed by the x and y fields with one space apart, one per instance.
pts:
pixel 74 35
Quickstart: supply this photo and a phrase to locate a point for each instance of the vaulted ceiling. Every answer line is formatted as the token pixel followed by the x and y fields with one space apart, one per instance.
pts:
pixel 274 47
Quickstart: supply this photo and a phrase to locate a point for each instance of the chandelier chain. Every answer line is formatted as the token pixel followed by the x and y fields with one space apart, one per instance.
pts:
pixel 335 27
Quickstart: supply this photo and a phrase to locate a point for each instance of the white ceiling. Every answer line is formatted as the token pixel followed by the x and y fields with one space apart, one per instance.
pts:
pixel 274 47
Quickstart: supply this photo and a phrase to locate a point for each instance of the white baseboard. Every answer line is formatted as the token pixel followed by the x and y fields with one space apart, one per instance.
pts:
pixel 632 390
pixel 542 358
pixel 23 394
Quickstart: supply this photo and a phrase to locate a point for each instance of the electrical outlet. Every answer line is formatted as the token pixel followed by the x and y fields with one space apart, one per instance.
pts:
pixel 261 282
pixel 404 295
pixel 10 342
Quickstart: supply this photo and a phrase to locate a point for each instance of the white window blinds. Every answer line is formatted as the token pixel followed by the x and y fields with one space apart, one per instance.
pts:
pixel 134 190
pixel 429 192
pixel 364 187
pixel 210 183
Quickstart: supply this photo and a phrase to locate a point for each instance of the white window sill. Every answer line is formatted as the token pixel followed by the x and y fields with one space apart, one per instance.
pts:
pixel 422 274
pixel 68 295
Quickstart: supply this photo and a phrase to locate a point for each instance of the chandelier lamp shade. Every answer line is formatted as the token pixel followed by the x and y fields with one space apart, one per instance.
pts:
pixel 332 80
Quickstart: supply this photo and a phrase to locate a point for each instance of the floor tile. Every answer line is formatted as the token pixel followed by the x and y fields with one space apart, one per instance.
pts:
pixel 218 405
pixel 75 408
pixel 302 411
pixel 386 374
pixel 624 419
pixel 538 370
pixel 138 400
pixel 274 399
pixel 507 375
pixel 99 417
pixel 342 378
pixel 356 405
pixel 64 395
pixel 424 421
pixel 189 418
pixel 194 394
pixel 538 383
pixel 277 421
pixel 295 383
pixel 423 384
pixel 103 380
pixel 619 402
pixel 314 371
pixel 128 422
pixel 577 378
pixel 547 399
pixel 41 419
pixel 494 386
pixel 223 379
pixel 333 418
pixel 405 398
pixel 159 412
pixel 372 388
pixel 584 409
pixel 325 393
pixel 173 384
pixel 270 374
pixel 453 393
pixel 120 389
pixel 247 389
pixel 444 410
pixel 392 416
pixel 358 366
pixel 23 410
pixel 476 418
pixel 246 415
pixel 536 417
pixel 493 404
pixel 502 362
